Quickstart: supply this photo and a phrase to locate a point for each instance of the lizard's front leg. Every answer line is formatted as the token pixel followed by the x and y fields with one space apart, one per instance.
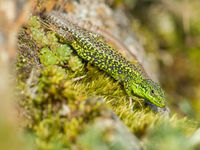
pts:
pixel 128 90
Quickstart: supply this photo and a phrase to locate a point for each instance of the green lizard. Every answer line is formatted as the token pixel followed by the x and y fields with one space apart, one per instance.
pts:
pixel 91 48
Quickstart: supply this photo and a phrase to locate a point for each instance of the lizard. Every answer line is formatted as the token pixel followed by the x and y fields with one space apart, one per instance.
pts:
pixel 89 46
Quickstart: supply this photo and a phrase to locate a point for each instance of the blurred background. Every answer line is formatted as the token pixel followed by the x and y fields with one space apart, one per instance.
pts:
pixel 168 29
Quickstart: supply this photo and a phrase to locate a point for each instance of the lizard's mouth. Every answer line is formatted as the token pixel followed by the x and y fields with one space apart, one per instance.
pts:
pixel 162 110
pixel 147 102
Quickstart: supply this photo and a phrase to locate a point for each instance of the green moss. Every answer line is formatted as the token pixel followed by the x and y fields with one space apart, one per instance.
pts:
pixel 52 38
pixel 63 97
pixel 39 36
pixel 47 57
pixel 34 21
pixel 21 61
pixel 48 137
pixel 75 63
pixel 63 52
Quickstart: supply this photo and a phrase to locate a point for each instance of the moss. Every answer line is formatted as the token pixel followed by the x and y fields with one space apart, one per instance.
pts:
pixel 63 53
pixel 75 63
pixel 63 97
pixel 34 22
pixel 47 57
pixel 52 124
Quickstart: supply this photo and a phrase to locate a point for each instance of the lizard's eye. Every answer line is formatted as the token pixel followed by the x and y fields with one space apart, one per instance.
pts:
pixel 152 92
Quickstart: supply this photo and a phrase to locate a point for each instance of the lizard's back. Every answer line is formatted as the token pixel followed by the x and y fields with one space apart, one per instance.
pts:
pixel 92 49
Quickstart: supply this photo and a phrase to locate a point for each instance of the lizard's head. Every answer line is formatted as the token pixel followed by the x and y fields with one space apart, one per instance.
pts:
pixel 152 92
